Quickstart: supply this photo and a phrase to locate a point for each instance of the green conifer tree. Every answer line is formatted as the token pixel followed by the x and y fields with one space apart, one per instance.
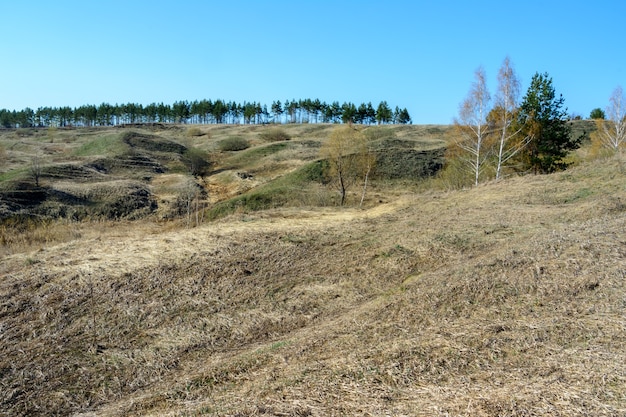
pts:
pixel 546 121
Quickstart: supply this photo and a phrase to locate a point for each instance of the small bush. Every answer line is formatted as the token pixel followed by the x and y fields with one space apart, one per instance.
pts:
pixel 233 143
pixel 454 175
pixel 275 134
pixel 197 161
pixel 194 132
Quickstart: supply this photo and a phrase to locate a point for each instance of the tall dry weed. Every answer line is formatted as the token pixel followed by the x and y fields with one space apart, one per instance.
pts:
pixel 18 236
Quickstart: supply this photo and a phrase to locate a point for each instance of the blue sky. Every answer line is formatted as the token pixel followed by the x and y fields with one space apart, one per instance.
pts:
pixel 414 54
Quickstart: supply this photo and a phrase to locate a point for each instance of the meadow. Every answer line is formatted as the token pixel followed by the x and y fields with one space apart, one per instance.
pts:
pixel 133 287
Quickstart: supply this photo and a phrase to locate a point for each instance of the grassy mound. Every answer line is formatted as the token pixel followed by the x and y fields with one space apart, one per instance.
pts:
pixel 298 188
pixel 151 142
pixel 233 144
pixel 121 199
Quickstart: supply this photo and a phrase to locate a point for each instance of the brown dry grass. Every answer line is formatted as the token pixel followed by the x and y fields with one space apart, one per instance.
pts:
pixel 508 299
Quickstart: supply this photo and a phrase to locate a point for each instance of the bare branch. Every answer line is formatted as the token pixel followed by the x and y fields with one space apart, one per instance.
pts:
pixel 506 102
pixel 614 127
pixel 472 123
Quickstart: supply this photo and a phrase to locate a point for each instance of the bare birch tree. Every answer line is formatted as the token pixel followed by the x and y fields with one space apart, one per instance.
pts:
pixel 192 200
pixel 367 161
pixel 336 150
pixel 472 124
pixel 614 128
pixel 36 168
pixel 349 159
pixel 507 96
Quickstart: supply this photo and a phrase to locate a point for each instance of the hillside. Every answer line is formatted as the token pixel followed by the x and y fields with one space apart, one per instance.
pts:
pixel 153 170
pixel 506 299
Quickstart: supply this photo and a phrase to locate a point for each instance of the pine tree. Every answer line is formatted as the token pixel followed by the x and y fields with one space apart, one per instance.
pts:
pixel 546 121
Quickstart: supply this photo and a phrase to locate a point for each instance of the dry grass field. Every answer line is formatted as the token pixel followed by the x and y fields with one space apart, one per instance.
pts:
pixel 507 299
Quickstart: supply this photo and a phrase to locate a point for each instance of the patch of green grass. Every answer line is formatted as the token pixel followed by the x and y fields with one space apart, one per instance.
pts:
pixel 258 152
pixel 273 347
pixel 30 261
pixel 291 238
pixel 104 145
pixel 253 201
pixel 289 190
pixel 578 195
pixel 15 174
pixel 314 171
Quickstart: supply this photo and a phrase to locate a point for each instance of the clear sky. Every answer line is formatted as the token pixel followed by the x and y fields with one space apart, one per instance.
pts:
pixel 415 54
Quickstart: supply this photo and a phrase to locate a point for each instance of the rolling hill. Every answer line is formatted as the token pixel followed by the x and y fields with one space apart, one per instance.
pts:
pixel 506 299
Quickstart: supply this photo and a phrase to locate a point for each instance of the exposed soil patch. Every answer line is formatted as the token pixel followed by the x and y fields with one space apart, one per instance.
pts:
pixel 75 172
pixel 400 159
pixel 129 162
pixel 20 197
pixel 152 143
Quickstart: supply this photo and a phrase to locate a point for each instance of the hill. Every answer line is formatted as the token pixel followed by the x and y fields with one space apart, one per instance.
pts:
pixel 139 171
pixel 504 299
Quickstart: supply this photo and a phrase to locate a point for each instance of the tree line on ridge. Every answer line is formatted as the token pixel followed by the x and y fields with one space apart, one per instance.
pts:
pixel 206 112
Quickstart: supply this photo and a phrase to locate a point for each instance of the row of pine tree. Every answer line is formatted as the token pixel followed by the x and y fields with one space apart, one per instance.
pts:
pixel 206 112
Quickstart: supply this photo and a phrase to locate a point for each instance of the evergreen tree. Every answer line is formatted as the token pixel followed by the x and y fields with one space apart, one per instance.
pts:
pixel 597 113
pixel 336 112
pixel 181 110
pixel 290 109
pixel 317 109
pixel 164 113
pixel 546 122
pixel 348 113
pixel 384 114
pixel 404 117
pixel 203 111
pixel 361 114
pixel 6 118
pixel 277 111
pixel 219 110
pixel 370 114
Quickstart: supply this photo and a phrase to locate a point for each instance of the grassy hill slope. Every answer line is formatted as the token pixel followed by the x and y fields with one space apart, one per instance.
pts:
pixel 505 299
pixel 150 170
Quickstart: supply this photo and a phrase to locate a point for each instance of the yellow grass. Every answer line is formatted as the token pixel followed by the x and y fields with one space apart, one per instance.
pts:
pixel 502 300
